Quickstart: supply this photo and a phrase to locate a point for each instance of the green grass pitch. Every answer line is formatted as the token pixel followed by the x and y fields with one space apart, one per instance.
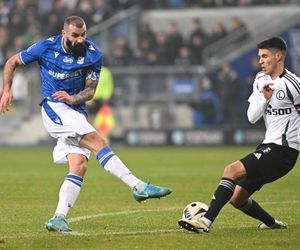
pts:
pixel 107 217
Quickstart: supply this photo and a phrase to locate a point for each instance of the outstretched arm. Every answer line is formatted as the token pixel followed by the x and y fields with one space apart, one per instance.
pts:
pixel 8 74
pixel 86 94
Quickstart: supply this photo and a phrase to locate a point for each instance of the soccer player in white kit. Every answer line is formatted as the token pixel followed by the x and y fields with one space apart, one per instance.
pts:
pixel 70 65
pixel 276 98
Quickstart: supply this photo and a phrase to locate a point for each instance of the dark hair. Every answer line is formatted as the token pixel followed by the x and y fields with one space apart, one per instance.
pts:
pixel 273 43
pixel 75 20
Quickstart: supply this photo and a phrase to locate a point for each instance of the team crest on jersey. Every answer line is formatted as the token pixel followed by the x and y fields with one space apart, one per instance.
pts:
pixel 67 60
pixel 280 95
pixel 80 60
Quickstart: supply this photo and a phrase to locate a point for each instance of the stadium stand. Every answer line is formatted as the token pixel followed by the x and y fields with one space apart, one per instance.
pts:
pixel 161 53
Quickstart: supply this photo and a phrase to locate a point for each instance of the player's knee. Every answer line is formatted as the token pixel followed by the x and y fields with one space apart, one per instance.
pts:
pixel 93 141
pixel 234 171
pixel 230 171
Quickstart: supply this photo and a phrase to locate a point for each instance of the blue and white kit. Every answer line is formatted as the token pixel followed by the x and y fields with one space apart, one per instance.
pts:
pixel 62 71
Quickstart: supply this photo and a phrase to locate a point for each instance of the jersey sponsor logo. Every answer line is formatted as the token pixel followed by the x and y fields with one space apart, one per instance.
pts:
pixel 63 76
pixel 56 54
pixel 92 75
pixel 67 60
pixel 257 155
pixel 274 111
pixel 280 95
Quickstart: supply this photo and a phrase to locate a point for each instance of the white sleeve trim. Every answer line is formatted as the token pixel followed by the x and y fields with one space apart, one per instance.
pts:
pixel 21 58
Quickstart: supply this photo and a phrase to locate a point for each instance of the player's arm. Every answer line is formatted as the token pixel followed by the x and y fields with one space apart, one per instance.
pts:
pixel 258 102
pixel 84 95
pixel 8 74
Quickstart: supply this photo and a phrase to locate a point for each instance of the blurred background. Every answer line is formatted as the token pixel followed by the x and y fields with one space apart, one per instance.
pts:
pixel 176 72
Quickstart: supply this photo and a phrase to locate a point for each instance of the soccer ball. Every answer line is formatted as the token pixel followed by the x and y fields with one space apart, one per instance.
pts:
pixel 194 210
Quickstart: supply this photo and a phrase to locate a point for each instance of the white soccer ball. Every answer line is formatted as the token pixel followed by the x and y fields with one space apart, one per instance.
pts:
pixel 194 210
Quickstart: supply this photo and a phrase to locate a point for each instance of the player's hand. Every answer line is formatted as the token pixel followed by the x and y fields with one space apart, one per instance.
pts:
pixel 267 90
pixel 63 96
pixel 5 100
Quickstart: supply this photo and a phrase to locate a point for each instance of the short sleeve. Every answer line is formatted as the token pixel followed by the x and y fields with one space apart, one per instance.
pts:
pixel 33 53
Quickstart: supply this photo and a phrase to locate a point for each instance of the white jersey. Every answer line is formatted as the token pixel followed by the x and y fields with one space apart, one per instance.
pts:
pixel 282 112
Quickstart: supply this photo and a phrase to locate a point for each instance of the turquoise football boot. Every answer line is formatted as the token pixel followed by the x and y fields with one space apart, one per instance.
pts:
pixel 151 191
pixel 58 223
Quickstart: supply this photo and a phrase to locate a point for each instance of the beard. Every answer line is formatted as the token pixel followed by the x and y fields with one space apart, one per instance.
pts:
pixel 76 49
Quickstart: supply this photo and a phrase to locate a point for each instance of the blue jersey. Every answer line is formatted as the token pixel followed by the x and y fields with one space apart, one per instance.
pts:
pixel 60 70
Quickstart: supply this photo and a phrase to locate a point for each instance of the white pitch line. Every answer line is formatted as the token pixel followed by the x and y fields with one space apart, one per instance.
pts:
pixel 87 217
pixel 74 233
pixel 80 218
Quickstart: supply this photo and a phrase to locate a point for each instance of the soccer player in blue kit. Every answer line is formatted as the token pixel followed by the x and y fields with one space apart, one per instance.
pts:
pixel 70 65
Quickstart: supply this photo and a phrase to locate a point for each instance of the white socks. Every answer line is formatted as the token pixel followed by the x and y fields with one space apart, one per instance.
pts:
pixel 112 164
pixel 68 193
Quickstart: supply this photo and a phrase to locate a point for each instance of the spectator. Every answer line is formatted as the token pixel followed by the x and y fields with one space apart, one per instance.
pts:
pixel 240 29
pixel 207 110
pixel 4 13
pixel 228 88
pixel 152 59
pixel 146 34
pixel 198 31
pixel 86 10
pixel 218 31
pixel 184 58
pixel 196 48
pixel 123 43
pixel 175 40
pixel 103 11
pixel 162 49
pixel 50 28
pixel 138 57
pixel 118 57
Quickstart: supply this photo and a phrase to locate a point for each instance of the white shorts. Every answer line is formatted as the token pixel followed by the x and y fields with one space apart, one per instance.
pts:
pixel 67 126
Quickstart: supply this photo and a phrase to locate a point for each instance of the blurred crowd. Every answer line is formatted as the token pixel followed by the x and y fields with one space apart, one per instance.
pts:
pixel 171 47
pixel 158 4
pixel 23 22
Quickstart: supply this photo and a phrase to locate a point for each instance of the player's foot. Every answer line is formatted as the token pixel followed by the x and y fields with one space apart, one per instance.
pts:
pixel 277 225
pixel 150 191
pixel 58 223
pixel 197 226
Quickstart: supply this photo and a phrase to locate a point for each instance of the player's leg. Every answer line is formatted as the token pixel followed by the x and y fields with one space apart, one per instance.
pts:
pixel 222 195
pixel 68 192
pixel 242 201
pixel 267 164
pixel 112 163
